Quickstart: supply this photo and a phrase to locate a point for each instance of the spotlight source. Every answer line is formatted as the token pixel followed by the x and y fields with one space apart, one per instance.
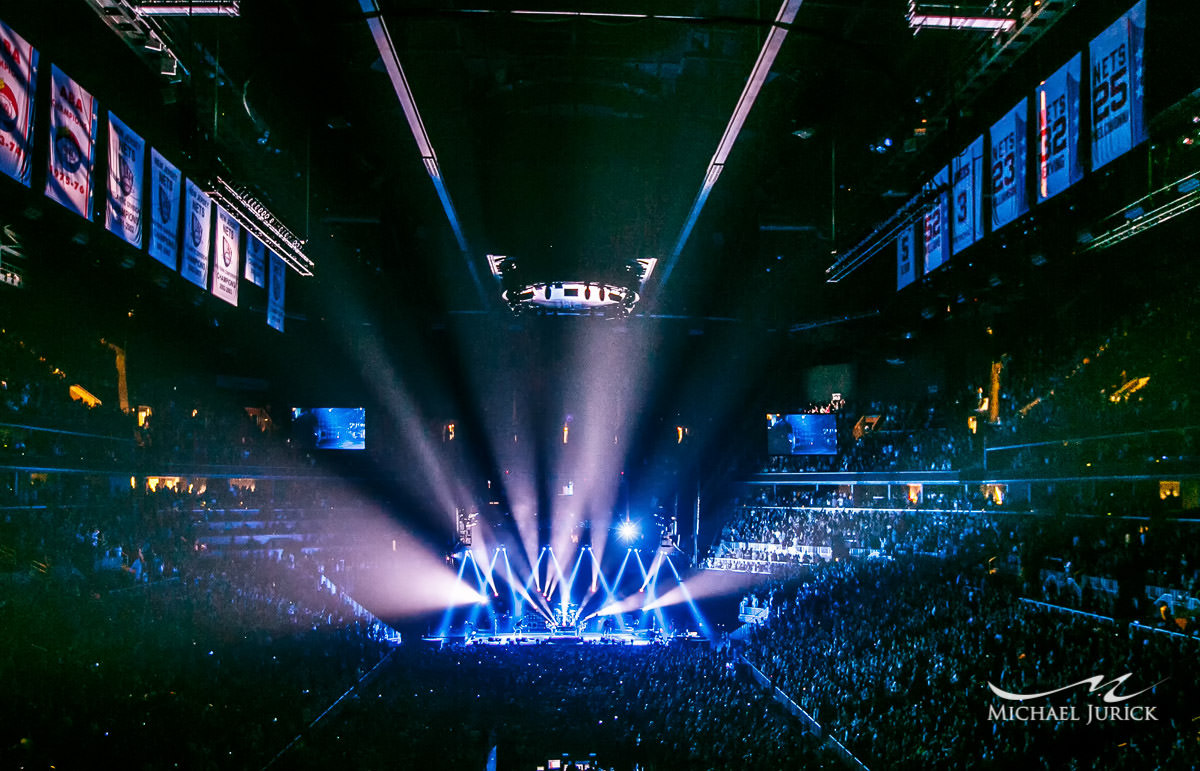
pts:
pixel 627 531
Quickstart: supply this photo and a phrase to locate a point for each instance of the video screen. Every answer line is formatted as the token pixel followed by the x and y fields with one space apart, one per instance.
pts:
pixel 330 428
pixel 801 434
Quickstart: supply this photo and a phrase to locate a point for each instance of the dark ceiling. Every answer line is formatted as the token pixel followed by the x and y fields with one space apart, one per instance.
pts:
pixel 573 143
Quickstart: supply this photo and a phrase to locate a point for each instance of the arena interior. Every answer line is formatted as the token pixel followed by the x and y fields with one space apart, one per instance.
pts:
pixel 610 386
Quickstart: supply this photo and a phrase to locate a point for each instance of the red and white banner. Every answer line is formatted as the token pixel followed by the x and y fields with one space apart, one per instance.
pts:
pixel 18 84
pixel 72 144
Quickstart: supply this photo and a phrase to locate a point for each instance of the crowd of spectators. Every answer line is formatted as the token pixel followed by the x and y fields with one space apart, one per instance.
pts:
pixel 801 525
pixel 894 657
pixel 1135 380
pixel 680 706
pixel 888 436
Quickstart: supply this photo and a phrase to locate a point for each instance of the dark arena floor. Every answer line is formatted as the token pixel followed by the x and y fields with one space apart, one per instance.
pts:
pixel 691 385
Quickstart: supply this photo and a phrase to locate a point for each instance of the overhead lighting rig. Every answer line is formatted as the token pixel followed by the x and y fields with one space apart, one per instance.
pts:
pixel 254 216
pixel 615 293
pixel 1152 210
pixel 145 34
pixel 881 237
pixel 186 8
pixel 989 17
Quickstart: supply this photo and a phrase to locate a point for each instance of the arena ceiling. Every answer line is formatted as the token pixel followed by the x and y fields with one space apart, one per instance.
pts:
pixel 574 139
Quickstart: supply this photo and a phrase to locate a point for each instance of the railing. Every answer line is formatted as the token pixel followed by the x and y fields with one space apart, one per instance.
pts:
pixel 810 724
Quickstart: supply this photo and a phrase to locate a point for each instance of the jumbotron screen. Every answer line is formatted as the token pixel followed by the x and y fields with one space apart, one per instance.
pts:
pixel 801 434
pixel 330 428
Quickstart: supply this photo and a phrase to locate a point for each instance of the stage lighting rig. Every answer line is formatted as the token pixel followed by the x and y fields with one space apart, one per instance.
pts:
pixel 465 525
pixel 611 292
pixel 628 531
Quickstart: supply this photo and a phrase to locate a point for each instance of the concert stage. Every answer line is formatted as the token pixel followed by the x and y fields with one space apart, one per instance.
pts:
pixel 564 638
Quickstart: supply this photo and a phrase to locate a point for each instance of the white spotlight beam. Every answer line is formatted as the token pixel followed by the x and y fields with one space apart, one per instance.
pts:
pixel 754 84
pixel 391 62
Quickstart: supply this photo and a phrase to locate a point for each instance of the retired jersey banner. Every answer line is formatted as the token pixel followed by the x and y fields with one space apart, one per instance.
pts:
pixel 1009 199
pixel 197 213
pixel 72 144
pixel 256 260
pixel 18 85
pixel 1057 103
pixel 937 222
pixel 226 257
pixel 967 170
pixel 1116 62
pixel 906 258
pixel 165 184
pixel 275 296
pixel 126 164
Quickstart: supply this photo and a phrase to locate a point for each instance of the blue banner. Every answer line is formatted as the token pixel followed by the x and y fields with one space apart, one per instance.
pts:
pixel 126 166
pixel 164 206
pixel 226 257
pixel 275 297
pixel 906 258
pixel 1116 58
pixel 1009 199
pixel 937 222
pixel 967 170
pixel 256 261
pixel 197 227
pixel 1058 157
pixel 18 85
pixel 72 144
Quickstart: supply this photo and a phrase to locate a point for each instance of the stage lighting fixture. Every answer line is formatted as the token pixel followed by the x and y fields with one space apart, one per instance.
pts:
pixel 187 8
pixel 627 531
pixel 256 218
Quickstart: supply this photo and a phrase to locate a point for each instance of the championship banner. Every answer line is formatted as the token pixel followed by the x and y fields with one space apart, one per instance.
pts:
pixel 1116 58
pixel 196 226
pixel 1057 103
pixel 967 171
pixel 1009 199
pixel 276 295
pixel 256 261
pixel 72 144
pixel 906 263
pixel 18 85
pixel 126 163
pixel 226 257
pixel 937 222
pixel 164 204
